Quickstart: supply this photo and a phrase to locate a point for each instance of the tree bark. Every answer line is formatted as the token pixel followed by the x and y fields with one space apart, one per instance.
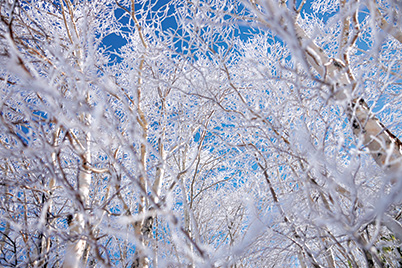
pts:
pixel 77 226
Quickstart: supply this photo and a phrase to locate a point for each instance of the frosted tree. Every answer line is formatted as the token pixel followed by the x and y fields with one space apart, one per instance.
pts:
pixel 217 134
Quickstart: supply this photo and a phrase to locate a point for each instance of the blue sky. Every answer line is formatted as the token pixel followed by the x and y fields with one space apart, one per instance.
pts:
pixel 159 7
pixel 115 41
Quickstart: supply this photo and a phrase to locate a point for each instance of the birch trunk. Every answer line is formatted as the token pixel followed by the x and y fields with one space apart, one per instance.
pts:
pixel 76 248
pixel 340 83
pixel 141 228
pixel 382 145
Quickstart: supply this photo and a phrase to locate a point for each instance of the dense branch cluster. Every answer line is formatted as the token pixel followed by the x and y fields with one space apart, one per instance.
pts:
pixel 206 133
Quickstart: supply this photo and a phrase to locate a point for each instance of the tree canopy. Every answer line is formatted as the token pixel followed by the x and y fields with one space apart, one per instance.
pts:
pixel 200 133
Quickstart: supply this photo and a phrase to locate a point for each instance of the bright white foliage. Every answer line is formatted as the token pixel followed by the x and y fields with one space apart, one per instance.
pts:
pixel 222 133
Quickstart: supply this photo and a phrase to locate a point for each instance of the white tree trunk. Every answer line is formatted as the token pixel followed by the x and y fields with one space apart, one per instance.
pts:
pixel 383 146
pixel 76 248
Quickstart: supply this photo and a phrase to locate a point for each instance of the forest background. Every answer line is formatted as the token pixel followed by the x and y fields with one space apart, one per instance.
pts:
pixel 200 133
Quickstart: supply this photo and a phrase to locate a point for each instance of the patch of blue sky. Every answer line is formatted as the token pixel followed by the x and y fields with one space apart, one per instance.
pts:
pixel 115 208
pixel 40 115
pixel 30 120
pixel 180 39
pixel 25 139
pixel 154 10
pixel 326 10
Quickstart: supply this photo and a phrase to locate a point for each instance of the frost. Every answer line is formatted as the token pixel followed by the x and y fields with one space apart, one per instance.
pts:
pixel 211 133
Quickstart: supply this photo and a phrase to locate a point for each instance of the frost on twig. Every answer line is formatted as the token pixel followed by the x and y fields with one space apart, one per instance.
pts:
pixel 212 143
